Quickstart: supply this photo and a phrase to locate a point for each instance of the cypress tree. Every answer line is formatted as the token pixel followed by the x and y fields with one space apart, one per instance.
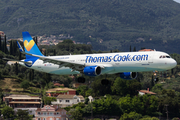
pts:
pixel 20 56
pixel 54 52
pixel 16 67
pixel 130 48
pixel 152 81
pixel 14 47
pixel 11 48
pixel 2 46
pixel 36 40
pixel 5 47
pixel 134 49
pixel 0 42
pixel 32 75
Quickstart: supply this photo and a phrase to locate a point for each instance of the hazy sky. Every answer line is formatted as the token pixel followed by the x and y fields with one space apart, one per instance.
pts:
pixel 177 1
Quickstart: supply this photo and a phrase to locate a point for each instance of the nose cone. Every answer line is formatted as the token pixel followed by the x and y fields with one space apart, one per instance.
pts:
pixel 173 63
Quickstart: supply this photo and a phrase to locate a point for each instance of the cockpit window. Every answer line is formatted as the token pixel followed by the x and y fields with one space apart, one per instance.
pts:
pixel 164 56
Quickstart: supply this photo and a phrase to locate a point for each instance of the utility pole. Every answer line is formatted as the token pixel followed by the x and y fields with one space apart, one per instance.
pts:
pixel 91 110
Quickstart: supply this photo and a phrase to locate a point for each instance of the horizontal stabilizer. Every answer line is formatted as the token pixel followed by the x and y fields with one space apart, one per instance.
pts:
pixel 7 59
pixel 19 46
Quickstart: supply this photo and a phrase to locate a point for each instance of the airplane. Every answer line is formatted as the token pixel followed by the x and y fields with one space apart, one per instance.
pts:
pixel 126 64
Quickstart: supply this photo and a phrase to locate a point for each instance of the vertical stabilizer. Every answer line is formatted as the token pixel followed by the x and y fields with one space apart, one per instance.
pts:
pixel 30 46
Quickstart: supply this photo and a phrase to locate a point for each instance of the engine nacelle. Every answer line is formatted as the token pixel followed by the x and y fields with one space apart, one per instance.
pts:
pixel 92 70
pixel 128 75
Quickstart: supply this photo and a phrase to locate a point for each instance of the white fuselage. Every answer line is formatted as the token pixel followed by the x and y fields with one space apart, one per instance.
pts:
pixel 110 62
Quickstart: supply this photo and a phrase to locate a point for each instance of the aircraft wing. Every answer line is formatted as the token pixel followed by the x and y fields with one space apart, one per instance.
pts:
pixel 71 63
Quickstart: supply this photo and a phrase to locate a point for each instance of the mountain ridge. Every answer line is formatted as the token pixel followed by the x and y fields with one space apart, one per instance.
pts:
pixel 119 20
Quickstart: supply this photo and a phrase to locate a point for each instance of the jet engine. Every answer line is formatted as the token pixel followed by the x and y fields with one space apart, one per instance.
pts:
pixel 128 75
pixel 92 70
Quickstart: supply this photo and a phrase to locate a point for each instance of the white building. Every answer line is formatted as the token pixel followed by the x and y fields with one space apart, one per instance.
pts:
pixel 68 100
pixel 91 99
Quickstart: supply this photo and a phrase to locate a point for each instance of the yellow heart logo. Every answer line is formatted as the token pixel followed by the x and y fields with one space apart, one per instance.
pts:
pixel 28 45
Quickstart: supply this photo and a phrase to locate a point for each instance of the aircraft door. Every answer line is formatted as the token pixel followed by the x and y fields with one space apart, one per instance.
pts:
pixel 150 58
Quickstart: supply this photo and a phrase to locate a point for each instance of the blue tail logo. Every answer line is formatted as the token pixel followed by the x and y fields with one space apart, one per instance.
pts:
pixel 31 48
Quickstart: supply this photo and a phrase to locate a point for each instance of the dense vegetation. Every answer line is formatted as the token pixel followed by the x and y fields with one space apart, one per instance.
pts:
pixel 119 23
pixel 121 97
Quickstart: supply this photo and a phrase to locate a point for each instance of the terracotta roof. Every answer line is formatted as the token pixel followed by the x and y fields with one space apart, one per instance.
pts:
pixel 26 102
pixel 65 96
pixel 1 33
pixel 81 97
pixel 146 50
pixel 76 85
pixel 60 89
pixel 38 109
pixel 59 109
pixel 56 109
pixel 147 92
pixel 58 84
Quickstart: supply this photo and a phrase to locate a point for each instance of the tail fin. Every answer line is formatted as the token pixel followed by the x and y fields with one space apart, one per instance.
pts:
pixel 30 46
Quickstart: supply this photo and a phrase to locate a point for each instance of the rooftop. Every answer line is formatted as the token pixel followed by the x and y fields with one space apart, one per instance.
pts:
pixel 147 92
pixel 66 96
pixel 22 97
pixel 24 102
pixel 60 89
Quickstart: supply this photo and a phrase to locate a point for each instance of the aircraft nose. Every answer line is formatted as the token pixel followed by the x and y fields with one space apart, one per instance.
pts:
pixel 173 63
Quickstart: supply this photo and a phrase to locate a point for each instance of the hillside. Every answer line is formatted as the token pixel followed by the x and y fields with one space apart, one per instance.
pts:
pixel 123 21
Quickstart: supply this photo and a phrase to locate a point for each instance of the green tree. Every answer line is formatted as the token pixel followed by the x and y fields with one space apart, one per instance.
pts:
pixel 11 48
pixel 145 105
pixel 0 43
pixel 0 75
pixel 82 90
pixel 68 41
pixel 1 95
pixel 23 115
pixel 25 84
pixel 150 104
pixel 157 88
pixel 134 49
pixel 131 116
pixel 75 114
pixel 152 81
pixel 169 101
pixel 48 100
pixel 119 87
pixel 54 52
pixel 86 100
pixel 7 112
pixel 20 57
pixel 149 118
pixel 16 68
pixel 97 87
pixel 123 87
pixel 106 106
pixel 5 47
